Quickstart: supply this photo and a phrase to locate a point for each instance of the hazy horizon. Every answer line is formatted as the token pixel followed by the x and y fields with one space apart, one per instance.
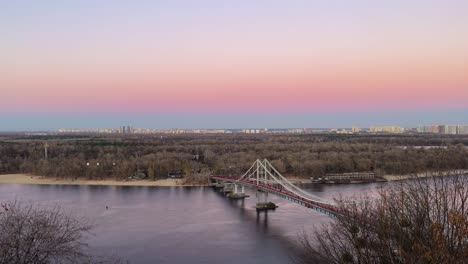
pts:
pixel 48 121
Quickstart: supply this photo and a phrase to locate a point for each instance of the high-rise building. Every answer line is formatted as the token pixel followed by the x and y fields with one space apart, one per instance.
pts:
pixel 463 130
pixel 386 129
pixel 440 129
pixel 434 129
pixel 451 130
pixel 444 129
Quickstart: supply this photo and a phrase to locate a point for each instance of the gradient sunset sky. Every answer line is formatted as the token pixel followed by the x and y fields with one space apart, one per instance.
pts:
pixel 232 64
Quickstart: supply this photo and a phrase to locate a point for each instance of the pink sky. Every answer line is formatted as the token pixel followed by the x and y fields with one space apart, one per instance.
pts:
pixel 233 60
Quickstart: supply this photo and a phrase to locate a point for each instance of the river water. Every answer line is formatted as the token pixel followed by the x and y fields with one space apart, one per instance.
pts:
pixel 185 224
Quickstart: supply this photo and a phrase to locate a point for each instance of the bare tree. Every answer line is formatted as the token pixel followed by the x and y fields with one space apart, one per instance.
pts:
pixel 418 221
pixel 31 234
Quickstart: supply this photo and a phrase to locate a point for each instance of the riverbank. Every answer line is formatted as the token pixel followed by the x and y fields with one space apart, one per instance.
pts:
pixel 425 175
pixel 386 178
pixel 33 179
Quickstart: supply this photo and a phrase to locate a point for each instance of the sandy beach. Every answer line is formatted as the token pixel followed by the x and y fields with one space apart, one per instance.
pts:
pixel 33 179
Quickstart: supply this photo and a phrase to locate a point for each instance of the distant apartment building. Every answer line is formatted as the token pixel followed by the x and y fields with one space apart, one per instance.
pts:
pixel 255 131
pixel 462 129
pixel 210 131
pixel 88 131
pixel 125 130
pixel 451 130
pixel 444 129
pixel 433 129
pixel 386 129
pixel 344 131
pixel 296 131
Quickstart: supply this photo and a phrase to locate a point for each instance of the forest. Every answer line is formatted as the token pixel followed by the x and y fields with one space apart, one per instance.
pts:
pixel 196 156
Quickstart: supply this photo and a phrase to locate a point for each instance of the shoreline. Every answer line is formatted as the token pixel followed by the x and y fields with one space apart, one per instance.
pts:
pixel 21 178
pixel 389 177
pixel 425 175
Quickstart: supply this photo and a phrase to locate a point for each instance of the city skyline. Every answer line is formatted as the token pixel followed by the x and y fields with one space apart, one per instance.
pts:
pixel 51 122
pixel 274 64
pixel 423 129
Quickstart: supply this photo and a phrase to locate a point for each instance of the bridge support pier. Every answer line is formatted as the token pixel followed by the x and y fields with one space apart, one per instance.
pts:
pixel 227 187
pixel 263 203
pixel 218 184
pixel 236 194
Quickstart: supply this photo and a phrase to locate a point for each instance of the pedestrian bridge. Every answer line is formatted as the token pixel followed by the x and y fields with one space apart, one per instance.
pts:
pixel 263 177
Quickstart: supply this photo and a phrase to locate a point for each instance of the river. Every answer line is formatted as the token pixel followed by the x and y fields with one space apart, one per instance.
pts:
pixel 184 224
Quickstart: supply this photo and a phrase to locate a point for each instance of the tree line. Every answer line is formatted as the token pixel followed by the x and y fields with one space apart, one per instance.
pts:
pixel 103 157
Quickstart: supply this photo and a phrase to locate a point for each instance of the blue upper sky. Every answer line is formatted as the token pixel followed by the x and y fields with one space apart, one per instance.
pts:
pixel 42 122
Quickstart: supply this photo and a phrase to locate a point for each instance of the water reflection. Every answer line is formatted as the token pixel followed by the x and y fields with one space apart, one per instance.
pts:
pixel 263 224
pixel 184 224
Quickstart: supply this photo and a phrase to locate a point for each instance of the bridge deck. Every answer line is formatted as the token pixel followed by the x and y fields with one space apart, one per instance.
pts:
pixel 309 203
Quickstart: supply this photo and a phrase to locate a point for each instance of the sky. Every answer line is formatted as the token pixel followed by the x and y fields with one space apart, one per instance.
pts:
pixel 232 64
